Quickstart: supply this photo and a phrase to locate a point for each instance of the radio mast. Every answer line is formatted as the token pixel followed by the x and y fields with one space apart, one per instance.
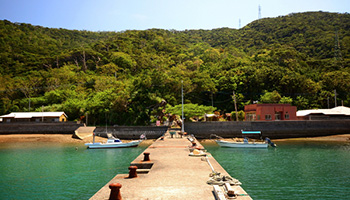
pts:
pixel 337 50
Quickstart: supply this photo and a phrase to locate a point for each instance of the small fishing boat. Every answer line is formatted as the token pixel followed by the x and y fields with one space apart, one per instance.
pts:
pixel 223 143
pixel 245 143
pixel 113 142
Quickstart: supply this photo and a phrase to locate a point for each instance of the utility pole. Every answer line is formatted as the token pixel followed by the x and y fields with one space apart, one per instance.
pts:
pixel 335 98
pixel 234 99
pixel 42 113
pixel 328 102
pixel 182 101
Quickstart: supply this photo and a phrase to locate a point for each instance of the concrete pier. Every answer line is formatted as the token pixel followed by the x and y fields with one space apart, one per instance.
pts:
pixel 169 173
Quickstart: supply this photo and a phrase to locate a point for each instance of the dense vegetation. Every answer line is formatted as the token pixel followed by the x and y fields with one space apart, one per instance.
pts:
pixel 122 77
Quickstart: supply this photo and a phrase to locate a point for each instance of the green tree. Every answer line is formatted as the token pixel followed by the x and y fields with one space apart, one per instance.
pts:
pixel 190 110
pixel 123 60
pixel 301 103
pixel 286 100
pixel 270 97
pixel 120 76
pixel 241 115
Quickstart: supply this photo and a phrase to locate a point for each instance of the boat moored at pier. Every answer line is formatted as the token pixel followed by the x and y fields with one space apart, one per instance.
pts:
pixel 237 143
pixel 113 142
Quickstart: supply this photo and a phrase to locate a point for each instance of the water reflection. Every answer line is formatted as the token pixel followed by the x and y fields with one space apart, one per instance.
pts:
pixel 299 170
pixel 59 171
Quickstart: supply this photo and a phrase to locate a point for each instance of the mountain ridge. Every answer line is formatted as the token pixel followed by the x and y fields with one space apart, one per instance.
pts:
pixel 302 56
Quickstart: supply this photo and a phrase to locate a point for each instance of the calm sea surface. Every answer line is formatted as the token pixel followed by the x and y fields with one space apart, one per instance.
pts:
pixel 290 171
pixel 46 171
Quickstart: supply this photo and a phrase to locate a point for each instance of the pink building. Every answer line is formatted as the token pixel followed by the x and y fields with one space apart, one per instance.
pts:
pixel 270 112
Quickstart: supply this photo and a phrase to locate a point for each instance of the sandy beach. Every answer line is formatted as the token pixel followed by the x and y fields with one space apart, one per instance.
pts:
pixel 52 138
pixel 55 138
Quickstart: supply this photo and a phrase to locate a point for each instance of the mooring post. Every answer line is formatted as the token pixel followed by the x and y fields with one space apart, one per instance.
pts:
pixel 115 191
pixel 132 172
pixel 146 156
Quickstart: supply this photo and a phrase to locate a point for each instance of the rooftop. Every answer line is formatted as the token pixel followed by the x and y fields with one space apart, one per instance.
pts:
pixel 28 115
pixel 340 110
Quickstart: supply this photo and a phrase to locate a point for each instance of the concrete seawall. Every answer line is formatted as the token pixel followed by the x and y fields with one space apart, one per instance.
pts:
pixel 271 129
pixel 39 128
pixel 202 130
pixel 132 132
pixel 123 132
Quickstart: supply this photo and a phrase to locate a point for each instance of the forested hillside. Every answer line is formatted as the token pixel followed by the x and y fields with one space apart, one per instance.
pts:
pixel 124 76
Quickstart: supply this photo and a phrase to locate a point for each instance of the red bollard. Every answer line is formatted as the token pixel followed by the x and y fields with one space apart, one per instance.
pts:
pixel 146 156
pixel 115 191
pixel 132 172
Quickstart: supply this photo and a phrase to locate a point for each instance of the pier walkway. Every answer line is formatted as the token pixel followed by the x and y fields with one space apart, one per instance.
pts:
pixel 170 174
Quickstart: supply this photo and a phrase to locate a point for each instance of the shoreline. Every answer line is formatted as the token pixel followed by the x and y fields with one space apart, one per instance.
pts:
pixel 53 138
pixel 47 138
pixel 67 139
pixel 343 138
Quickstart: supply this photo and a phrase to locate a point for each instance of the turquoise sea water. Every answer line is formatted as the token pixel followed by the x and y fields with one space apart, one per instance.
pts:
pixel 46 171
pixel 290 171
pixel 296 170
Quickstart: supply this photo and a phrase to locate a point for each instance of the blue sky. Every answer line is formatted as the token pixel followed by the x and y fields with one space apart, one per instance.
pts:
pixel 119 15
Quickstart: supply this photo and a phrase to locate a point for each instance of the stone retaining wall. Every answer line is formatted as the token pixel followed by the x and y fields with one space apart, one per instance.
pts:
pixel 132 132
pixel 202 130
pixel 39 128
pixel 271 129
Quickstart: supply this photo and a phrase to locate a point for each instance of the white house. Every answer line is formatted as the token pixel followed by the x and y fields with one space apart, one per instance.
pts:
pixel 34 117
pixel 340 112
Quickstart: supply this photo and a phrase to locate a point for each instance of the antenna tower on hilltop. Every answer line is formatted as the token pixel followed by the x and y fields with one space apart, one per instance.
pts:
pixel 337 50
pixel 259 16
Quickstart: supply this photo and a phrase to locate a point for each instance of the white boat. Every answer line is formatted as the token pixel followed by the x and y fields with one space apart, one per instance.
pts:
pixel 246 143
pixel 113 142
pixel 223 143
